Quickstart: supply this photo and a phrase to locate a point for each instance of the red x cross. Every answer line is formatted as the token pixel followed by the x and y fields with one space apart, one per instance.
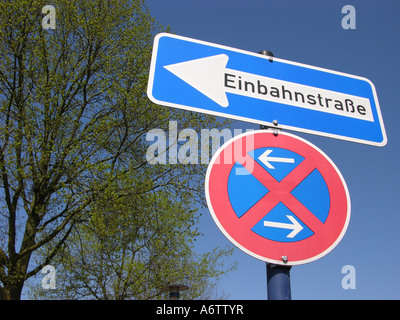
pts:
pixel 279 192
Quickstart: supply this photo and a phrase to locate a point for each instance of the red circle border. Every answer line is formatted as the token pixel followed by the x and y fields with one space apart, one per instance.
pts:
pixel 299 252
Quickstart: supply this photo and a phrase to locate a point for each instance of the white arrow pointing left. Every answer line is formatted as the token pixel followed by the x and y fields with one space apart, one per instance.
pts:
pixel 295 226
pixel 205 75
pixel 210 76
pixel 266 159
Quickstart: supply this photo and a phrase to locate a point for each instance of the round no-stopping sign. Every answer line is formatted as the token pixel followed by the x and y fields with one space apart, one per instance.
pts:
pixel 277 197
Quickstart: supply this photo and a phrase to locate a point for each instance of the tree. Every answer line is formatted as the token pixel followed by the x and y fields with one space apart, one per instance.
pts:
pixel 73 118
pixel 130 251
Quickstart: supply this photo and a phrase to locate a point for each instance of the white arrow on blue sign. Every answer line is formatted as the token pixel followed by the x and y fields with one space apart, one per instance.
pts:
pixel 213 79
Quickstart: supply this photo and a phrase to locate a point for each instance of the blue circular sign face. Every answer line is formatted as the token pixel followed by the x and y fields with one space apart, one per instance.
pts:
pixel 279 223
pixel 276 196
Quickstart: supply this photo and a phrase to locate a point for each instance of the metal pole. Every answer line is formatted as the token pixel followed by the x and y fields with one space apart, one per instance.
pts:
pixel 174 290
pixel 174 293
pixel 278 282
pixel 278 276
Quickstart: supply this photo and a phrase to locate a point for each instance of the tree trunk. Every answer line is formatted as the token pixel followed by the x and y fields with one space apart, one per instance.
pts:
pixel 12 291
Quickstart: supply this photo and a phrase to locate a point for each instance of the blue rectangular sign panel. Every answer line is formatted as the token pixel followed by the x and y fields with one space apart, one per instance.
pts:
pixel 213 79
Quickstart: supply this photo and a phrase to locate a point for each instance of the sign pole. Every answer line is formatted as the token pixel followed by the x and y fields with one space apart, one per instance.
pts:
pixel 278 277
pixel 278 282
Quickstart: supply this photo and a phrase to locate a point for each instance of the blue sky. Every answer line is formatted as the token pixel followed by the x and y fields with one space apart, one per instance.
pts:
pixel 311 32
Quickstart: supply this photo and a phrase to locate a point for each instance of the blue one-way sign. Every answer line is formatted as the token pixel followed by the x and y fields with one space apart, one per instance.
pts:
pixel 209 78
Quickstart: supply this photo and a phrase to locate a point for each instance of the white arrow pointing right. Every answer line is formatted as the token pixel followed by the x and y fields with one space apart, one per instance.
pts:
pixel 295 226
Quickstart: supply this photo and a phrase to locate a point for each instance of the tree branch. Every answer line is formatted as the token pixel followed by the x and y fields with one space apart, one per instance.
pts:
pixel 51 255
